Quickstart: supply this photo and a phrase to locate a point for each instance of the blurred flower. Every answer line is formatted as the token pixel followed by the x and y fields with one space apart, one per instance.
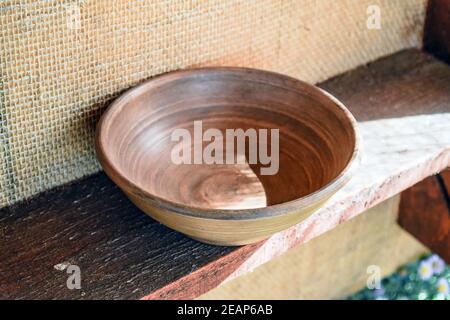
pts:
pixel 443 286
pixel 425 270
pixel 415 281
pixel 437 264
pixel 422 295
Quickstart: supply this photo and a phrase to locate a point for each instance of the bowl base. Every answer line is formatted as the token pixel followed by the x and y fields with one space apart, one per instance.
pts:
pixel 229 243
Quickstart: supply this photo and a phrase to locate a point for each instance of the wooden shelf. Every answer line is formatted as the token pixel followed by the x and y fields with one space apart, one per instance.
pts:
pixel 403 103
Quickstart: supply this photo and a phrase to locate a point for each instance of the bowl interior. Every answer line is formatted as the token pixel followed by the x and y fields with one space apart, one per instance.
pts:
pixel 316 139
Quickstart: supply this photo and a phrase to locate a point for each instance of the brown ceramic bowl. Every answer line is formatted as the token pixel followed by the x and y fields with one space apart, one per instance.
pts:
pixel 227 204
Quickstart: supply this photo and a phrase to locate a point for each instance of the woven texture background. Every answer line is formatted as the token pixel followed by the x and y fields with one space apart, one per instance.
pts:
pixel 61 62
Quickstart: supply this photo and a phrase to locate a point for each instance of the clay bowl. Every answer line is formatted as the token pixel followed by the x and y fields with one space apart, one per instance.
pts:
pixel 232 203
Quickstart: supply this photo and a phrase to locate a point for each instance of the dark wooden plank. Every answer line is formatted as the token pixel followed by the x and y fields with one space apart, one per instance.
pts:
pixel 437 29
pixel 424 213
pixel 123 253
pixel 404 84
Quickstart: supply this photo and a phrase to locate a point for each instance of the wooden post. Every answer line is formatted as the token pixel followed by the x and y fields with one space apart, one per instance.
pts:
pixel 424 212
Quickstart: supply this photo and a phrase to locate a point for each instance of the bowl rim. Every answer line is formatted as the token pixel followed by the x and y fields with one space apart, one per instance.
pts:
pixel 304 202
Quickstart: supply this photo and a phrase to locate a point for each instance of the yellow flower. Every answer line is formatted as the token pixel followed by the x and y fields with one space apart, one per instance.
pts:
pixel 443 286
pixel 425 270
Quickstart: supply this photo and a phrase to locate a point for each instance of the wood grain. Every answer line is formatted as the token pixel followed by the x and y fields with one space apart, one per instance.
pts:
pixel 124 254
pixel 404 84
pixel 425 213
pixel 121 252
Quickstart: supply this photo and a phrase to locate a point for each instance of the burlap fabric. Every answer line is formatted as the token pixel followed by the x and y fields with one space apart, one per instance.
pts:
pixel 61 62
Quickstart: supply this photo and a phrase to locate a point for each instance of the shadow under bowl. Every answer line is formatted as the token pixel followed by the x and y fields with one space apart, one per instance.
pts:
pixel 172 145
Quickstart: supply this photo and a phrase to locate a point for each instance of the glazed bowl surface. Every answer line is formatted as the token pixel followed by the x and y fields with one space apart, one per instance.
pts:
pixel 228 156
